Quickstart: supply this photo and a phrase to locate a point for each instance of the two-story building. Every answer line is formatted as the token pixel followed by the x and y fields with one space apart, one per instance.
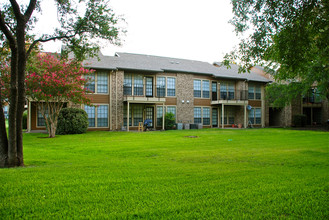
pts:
pixel 130 88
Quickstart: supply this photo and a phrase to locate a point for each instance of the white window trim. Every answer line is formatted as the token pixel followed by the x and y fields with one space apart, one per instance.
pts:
pixel 254 87
pixel 96 85
pixel 166 95
pixel 210 116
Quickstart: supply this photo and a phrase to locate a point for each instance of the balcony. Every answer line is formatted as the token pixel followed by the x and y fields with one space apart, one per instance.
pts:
pixel 237 97
pixel 144 93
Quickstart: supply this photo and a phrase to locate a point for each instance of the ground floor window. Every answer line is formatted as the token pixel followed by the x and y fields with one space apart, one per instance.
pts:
pixel 206 116
pixel 137 114
pixel 197 115
pixel 229 118
pixel 214 118
pixel 255 116
pixel 41 122
pixel 171 109
pixel 97 115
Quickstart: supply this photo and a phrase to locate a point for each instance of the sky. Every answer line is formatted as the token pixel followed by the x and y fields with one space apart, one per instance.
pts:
pixel 188 29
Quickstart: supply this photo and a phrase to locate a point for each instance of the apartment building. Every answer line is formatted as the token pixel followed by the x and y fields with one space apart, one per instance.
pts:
pixel 130 88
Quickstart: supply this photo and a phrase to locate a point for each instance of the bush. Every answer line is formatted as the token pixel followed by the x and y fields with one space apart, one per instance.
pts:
pixel 170 121
pixel 72 121
pixel 24 123
pixel 299 120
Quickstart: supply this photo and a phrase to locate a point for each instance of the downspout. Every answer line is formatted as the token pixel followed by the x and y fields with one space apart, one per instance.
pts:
pixel 116 100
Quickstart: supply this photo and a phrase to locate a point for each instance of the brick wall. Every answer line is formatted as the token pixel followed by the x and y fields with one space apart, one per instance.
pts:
pixel 185 111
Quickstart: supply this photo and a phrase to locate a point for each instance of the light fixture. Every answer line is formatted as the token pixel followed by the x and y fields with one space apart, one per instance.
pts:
pixel 187 101
pixel 183 101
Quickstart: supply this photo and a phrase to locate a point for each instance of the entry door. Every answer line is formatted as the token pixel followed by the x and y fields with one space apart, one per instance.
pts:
pixel 149 86
pixel 214 91
pixel 214 117
pixel 149 114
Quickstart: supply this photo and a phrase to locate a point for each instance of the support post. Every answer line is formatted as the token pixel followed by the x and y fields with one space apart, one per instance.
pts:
pixel 222 115
pixel 245 117
pixel 163 116
pixel 128 116
pixel 29 116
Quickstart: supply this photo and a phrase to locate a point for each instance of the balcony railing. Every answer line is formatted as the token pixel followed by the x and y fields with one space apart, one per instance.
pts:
pixel 148 91
pixel 314 99
pixel 239 95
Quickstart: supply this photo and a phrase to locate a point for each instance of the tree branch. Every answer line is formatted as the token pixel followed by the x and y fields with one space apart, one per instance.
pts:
pixel 16 9
pixel 6 31
pixel 30 9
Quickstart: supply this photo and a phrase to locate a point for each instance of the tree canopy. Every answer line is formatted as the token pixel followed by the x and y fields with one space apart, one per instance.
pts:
pixel 288 38
pixel 81 26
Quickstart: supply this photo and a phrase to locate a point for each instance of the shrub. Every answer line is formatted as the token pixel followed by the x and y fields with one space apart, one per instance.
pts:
pixel 24 123
pixel 72 121
pixel 299 120
pixel 170 121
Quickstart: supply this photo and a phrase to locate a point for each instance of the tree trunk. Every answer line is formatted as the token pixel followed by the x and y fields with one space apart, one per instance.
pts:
pixel 3 137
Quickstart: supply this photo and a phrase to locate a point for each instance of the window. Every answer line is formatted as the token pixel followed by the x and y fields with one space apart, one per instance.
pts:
pixel 205 89
pixel 227 91
pixel 137 114
pixel 125 115
pixel 254 92
pixel 159 115
pixel 229 113
pixel 91 115
pixel 101 86
pixel 215 117
pixel 138 85
pixel 41 122
pixel 197 115
pixel 206 116
pixel 97 115
pixel 171 85
pixel 127 84
pixel 172 109
pixel 102 117
pixel 255 116
pixel 91 83
pixel 161 86
pixel 197 88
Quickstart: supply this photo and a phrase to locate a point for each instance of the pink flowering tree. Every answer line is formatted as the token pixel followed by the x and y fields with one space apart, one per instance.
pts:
pixel 52 82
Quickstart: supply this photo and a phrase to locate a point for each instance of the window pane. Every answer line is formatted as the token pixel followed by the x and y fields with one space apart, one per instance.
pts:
pixel 138 114
pixel 172 109
pixel 102 118
pixel 91 115
pixel 231 91
pixel 214 117
pixel 138 85
pixel 251 116
pixel 102 83
pixel 197 115
pixel 41 122
pixel 205 89
pixel 91 84
pixel 159 115
pixel 197 88
pixel 206 116
pixel 258 116
pixel 223 91
pixel 161 89
pixel 258 92
pixel 127 84
pixel 251 92
pixel 171 85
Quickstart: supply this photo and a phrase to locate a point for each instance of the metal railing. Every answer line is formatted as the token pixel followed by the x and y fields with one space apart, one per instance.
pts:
pixel 144 90
pixel 241 95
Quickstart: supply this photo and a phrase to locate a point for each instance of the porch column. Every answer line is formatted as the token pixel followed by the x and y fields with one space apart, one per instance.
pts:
pixel 163 116
pixel 128 116
pixel 222 115
pixel 245 117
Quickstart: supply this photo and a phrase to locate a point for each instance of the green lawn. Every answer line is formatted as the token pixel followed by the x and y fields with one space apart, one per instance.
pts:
pixel 222 174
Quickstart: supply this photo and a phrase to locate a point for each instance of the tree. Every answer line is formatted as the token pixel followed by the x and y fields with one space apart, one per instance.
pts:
pixel 78 33
pixel 289 38
pixel 52 82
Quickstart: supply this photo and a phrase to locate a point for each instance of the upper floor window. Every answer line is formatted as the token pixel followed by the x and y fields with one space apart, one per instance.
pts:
pixel 205 88
pixel 98 82
pixel 254 92
pixel 171 86
pixel 127 84
pixel 138 85
pixel 227 91
pixel 197 88
pixel 161 86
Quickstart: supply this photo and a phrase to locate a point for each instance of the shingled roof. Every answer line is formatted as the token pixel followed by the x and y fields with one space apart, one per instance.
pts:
pixel 148 63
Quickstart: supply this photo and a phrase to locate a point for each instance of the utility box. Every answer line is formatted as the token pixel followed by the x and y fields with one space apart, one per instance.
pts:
pixel 200 126
pixel 187 126
pixel 179 126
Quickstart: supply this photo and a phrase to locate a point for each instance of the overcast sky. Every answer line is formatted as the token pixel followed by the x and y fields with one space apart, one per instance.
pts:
pixel 189 29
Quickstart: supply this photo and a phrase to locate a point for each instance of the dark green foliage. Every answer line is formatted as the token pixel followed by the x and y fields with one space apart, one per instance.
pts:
pixel 170 121
pixel 72 121
pixel 299 120
pixel 289 38
pixel 24 124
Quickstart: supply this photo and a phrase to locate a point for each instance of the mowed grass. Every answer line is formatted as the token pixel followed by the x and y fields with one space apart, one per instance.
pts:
pixel 221 174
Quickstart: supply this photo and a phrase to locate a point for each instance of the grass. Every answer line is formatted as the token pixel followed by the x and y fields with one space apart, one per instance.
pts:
pixel 221 174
